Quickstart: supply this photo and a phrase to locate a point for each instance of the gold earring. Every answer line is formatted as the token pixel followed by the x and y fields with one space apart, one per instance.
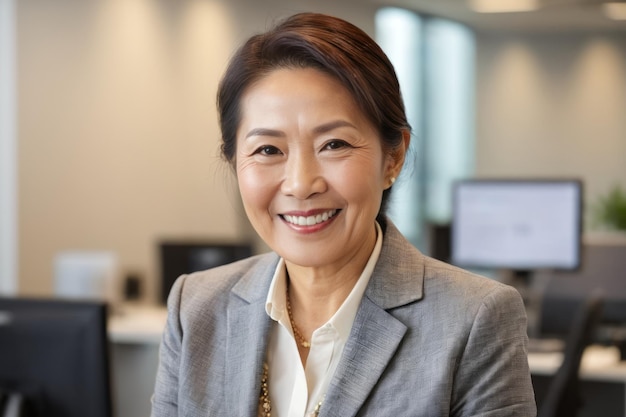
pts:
pixel 392 180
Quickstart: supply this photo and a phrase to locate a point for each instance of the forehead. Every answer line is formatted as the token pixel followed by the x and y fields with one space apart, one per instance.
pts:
pixel 296 81
pixel 305 93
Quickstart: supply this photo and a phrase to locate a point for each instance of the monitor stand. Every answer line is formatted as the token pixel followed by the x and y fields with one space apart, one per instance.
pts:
pixel 523 281
pixel 522 277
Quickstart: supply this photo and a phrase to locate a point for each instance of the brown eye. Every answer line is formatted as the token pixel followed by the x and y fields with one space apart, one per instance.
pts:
pixel 336 144
pixel 268 150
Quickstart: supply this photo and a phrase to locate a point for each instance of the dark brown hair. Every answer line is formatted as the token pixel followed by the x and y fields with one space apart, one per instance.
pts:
pixel 326 43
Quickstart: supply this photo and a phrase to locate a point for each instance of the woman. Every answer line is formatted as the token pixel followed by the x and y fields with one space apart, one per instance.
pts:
pixel 345 317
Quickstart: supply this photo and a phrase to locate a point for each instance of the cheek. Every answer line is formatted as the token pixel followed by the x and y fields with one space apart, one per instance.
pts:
pixel 360 185
pixel 255 189
pixel 365 175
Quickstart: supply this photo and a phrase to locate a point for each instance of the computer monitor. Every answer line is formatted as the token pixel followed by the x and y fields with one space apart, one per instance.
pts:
pixel 54 357
pixel 519 225
pixel 184 257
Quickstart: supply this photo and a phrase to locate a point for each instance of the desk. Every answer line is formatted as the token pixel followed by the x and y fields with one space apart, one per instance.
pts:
pixel 137 325
pixel 135 335
pixel 602 374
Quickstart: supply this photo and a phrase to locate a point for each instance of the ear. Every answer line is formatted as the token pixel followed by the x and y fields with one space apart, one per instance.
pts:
pixel 395 159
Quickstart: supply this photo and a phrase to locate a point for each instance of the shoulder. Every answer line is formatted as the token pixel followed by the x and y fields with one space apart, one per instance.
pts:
pixel 475 309
pixel 462 300
pixel 403 276
pixel 442 279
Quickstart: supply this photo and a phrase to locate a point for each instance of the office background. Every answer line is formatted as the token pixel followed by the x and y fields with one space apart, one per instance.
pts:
pixel 116 137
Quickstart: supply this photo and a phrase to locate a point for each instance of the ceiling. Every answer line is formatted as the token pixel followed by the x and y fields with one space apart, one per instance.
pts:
pixel 555 16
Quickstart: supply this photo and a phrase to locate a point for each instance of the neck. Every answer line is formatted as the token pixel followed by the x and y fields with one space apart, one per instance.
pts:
pixel 314 302
pixel 316 293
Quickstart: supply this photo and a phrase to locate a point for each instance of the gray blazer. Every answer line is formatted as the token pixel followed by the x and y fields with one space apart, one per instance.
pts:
pixel 428 339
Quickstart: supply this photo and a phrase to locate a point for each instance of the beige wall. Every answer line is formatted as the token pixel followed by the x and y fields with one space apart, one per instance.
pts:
pixel 117 135
pixel 553 105
pixel 117 131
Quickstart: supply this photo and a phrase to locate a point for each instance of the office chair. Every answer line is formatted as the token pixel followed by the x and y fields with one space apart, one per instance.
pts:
pixel 11 404
pixel 563 398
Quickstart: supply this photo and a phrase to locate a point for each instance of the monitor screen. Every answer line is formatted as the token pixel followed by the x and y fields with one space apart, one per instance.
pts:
pixel 521 225
pixel 184 257
pixel 54 357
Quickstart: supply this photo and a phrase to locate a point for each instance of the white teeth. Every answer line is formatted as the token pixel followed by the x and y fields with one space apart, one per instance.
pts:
pixel 310 220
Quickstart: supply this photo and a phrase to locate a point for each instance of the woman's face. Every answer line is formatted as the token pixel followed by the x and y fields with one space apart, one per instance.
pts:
pixel 310 167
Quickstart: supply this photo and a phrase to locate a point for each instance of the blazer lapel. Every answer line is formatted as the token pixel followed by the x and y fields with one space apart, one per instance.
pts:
pixel 397 280
pixel 246 341
pixel 374 338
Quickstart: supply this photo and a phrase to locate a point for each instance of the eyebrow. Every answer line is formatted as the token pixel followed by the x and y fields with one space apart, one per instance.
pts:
pixel 261 131
pixel 327 127
pixel 324 128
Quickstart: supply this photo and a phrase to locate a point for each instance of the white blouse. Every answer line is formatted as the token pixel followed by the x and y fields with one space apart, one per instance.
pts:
pixel 295 390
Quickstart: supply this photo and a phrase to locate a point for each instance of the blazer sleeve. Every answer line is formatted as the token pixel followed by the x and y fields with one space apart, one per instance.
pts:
pixel 493 376
pixel 165 397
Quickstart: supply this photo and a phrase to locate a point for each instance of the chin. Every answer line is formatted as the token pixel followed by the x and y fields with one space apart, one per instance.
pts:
pixel 303 258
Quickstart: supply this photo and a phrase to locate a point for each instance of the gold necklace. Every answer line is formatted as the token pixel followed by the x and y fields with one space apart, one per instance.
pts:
pixel 296 332
pixel 265 404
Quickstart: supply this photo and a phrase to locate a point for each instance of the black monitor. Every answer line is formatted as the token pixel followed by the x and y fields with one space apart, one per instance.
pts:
pixel 519 225
pixel 184 257
pixel 54 357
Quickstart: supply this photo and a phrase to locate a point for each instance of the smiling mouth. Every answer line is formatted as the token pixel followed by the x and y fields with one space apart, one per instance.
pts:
pixel 310 220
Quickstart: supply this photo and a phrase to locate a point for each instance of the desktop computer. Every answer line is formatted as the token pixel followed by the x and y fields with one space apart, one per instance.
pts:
pixel 178 257
pixel 54 358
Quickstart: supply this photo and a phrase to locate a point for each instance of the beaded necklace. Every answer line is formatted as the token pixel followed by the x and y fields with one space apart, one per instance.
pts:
pixel 265 404
pixel 296 332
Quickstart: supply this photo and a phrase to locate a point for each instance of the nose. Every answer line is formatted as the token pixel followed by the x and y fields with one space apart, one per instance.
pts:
pixel 303 176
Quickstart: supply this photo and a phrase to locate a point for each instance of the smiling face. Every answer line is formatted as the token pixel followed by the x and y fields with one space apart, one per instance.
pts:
pixel 311 168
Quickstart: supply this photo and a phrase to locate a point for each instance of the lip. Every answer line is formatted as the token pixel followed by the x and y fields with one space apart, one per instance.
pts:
pixel 309 221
